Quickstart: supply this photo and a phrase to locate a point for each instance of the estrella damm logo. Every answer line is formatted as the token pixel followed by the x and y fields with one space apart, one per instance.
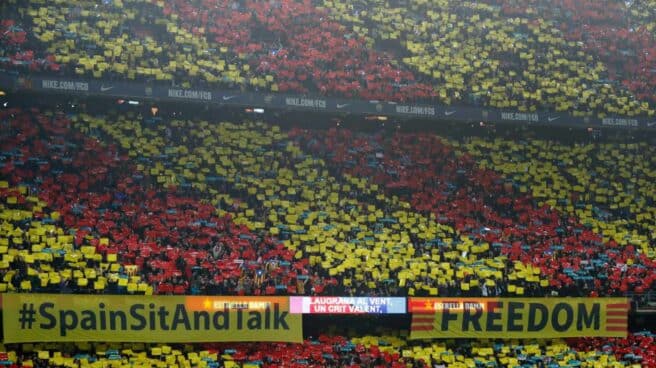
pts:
pixel 518 317
pixel 44 317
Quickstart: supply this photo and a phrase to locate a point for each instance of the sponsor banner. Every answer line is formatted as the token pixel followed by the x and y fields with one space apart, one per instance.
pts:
pixel 45 317
pixel 461 114
pixel 346 305
pixel 65 85
pixel 426 111
pixel 520 116
pixel 622 122
pixel 518 317
pixel 190 94
pixel 313 103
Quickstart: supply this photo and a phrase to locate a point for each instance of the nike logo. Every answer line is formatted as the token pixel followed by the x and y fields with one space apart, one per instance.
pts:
pixel 105 89
pixel 341 106
pixel 447 113
pixel 228 98
pixel 552 119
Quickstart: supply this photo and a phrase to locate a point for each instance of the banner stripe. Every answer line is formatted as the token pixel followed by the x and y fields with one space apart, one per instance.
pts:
pixel 621 305
pixel 422 320
pixel 422 328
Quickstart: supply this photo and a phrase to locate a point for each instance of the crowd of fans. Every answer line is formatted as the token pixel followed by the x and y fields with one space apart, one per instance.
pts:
pixel 353 237
pixel 264 46
pixel 605 185
pixel 621 34
pixel 478 54
pixel 303 48
pixel 503 54
pixel 342 222
pixel 337 351
pixel 121 204
pixel 552 210
pixel 16 51
pixel 248 209
pixel 166 241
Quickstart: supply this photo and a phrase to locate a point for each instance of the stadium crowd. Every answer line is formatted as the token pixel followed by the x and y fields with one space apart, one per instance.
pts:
pixel 121 204
pixel 479 54
pixel 330 223
pixel 540 214
pixel 172 41
pixel 170 240
pixel 301 213
pixel 337 351
pixel 620 34
pixel 451 53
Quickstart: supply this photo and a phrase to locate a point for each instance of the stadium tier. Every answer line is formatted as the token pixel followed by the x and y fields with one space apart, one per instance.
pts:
pixel 620 34
pixel 249 209
pixel 494 53
pixel 477 54
pixel 435 240
pixel 107 211
pixel 338 225
pixel 370 219
pixel 338 230
pixel 172 41
pixel 538 213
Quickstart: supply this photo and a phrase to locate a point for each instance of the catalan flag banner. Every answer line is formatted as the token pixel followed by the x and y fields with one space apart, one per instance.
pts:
pixel 518 317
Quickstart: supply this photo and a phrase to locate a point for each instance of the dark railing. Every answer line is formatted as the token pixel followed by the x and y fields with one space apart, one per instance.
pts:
pixel 311 103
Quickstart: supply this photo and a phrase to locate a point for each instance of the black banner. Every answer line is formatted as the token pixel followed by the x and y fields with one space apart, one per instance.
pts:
pixel 464 114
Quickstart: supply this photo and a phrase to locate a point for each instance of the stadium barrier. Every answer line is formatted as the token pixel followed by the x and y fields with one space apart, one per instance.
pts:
pixel 460 114
pixel 71 318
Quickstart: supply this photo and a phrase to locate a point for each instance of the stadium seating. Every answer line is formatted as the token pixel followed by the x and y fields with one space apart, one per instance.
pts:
pixel 37 255
pixel 119 204
pixel 478 55
pixel 337 351
pixel 539 214
pixel 297 44
pixel 453 245
pixel 76 179
pixel 593 182
pixel 16 51
pixel 173 42
pixel 488 53
pixel 621 34
pixel 39 252
pixel 171 243
pixel 464 231
pixel 110 40
pixel 333 351
pixel 133 41
pixel 339 223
